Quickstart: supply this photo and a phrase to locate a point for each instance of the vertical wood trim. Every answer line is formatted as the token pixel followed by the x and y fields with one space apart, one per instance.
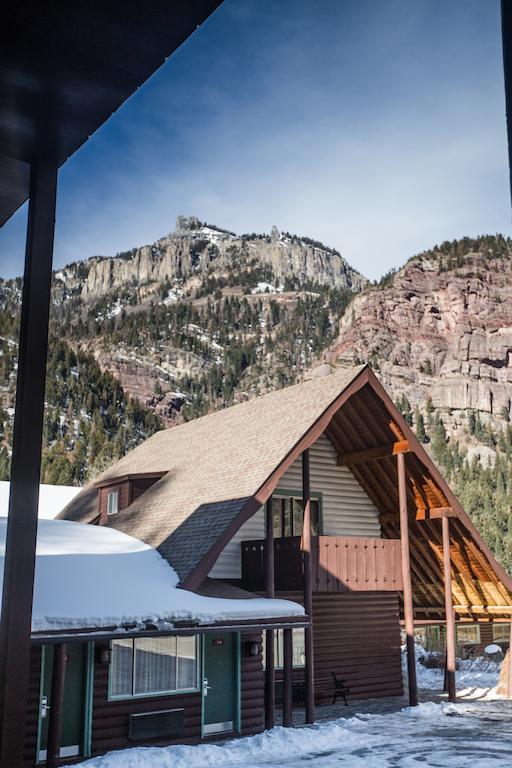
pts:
pixel 309 671
pixel 406 579
pixel 287 677
pixel 509 671
pixel 450 616
pixel 56 705
pixel 18 578
pixel 270 676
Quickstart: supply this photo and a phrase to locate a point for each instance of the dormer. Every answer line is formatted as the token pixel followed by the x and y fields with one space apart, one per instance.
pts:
pixel 117 493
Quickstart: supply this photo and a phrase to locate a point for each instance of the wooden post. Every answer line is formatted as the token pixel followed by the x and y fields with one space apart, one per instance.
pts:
pixel 270 681
pixel 309 670
pixel 56 705
pixel 20 551
pixel 406 578
pixel 287 678
pixel 448 607
pixel 509 670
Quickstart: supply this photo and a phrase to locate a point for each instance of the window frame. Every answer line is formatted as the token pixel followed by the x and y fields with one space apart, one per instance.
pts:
pixel 155 694
pixel 505 627
pixel 114 494
pixel 468 642
pixel 281 493
pixel 279 634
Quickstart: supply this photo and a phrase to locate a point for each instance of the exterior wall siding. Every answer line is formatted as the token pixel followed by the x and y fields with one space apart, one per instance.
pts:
pixel 124 498
pixel 346 509
pixel 357 636
pixel 252 686
pixel 32 723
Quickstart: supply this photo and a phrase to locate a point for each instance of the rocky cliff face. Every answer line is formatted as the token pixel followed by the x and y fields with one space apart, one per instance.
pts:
pixel 195 248
pixel 440 328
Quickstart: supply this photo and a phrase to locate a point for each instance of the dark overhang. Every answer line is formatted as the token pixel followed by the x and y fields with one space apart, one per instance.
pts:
pixel 506 27
pixel 66 67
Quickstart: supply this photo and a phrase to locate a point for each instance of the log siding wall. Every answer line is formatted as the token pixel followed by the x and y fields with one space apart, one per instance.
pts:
pixel 346 509
pixel 357 636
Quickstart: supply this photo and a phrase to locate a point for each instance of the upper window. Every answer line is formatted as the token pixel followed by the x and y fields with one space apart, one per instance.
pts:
pixel 288 516
pixel 113 502
pixel 153 666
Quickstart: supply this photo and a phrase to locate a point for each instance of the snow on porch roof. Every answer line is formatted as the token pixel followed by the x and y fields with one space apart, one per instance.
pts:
pixel 91 577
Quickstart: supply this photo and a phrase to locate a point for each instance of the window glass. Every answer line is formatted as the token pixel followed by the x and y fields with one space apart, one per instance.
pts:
pixel 501 633
pixel 288 516
pixel 299 653
pixel 469 633
pixel 155 664
pixel 112 502
pixel 187 667
pixel 121 668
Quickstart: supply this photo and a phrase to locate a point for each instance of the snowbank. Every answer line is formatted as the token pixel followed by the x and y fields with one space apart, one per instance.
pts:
pixel 52 499
pixel 431 735
pixel 92 576
pixel 479 673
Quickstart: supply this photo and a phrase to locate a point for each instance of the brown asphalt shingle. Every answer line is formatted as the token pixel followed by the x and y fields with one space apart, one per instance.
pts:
pixel 214 465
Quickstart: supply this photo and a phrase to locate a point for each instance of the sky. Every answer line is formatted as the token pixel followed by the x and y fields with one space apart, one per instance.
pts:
pixel 375 126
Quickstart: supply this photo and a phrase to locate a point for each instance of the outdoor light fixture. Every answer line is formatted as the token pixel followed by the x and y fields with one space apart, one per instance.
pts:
pixel 253 648
pixel 104 655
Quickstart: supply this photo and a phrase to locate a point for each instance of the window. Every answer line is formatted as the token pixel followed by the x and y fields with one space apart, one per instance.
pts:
pixel 149 666
pixel 288 516
pixel 113 503
pixel 299 649
pixel 501 633
pixel 469 633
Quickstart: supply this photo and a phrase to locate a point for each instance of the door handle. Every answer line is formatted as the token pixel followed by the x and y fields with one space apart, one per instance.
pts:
pixel 45 708
pixel 206 687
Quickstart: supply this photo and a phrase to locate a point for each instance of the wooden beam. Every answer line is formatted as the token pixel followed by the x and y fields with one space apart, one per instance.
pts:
pixel 308 589
pixel 406 578
pixel 373 454
pixel 287 677
pixel 450 615
pixel 20 550
pixel 270 675
pixel 435 513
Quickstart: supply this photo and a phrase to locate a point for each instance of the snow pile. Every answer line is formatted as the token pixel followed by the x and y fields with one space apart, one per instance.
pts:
pixel 52 499
pixel 266 288
pixel 91 576
pixel 431 735
pixel 480 673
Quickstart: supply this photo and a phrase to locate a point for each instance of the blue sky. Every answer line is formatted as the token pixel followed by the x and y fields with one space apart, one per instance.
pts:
pixel 376 126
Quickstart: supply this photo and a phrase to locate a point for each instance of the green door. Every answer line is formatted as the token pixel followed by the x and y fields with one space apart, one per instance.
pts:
pixel 74 706
pixel 220 683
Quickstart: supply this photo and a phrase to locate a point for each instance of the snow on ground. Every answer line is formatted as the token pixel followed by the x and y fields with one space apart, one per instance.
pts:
pixel 266 288
pixel 431 735
pixel 52 499
pixel 94 576
pixel 480 674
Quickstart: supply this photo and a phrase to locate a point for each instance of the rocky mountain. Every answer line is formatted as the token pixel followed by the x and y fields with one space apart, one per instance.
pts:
pixel 439 330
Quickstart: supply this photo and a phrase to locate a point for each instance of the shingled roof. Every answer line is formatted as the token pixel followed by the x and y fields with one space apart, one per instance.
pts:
pixel 221 468
pixel 214 466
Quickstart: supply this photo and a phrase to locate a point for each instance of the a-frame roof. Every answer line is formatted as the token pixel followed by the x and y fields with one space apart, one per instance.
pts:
pixel 220 468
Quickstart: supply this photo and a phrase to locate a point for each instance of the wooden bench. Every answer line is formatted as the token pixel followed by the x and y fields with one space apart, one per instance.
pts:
pixel 340 689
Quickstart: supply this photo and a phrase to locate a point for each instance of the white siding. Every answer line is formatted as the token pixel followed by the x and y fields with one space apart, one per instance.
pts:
pixel 346 509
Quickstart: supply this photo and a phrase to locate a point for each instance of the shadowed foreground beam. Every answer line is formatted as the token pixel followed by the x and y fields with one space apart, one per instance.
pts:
pixel 20 553
pixel 450 617
pixel 309 671
pixel 270 677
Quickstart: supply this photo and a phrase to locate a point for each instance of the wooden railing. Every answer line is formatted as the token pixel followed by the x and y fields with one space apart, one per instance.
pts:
pixel 340 564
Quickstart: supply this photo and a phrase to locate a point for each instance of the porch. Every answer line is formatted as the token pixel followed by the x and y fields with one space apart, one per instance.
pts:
pixel 338 563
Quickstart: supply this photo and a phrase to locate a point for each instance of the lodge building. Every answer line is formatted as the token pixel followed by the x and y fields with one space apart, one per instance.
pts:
pixel 318 494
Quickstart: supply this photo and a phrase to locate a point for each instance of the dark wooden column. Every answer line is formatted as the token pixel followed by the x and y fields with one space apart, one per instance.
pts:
pixel 509 670
pixel 56 705
pixel 18 579
pixel 406 578
pixel 448 607
pixel 270 678
pixel 309 670
pixel 287 678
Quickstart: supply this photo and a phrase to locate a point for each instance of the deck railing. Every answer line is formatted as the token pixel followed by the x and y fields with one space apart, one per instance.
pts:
pixel 340 564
